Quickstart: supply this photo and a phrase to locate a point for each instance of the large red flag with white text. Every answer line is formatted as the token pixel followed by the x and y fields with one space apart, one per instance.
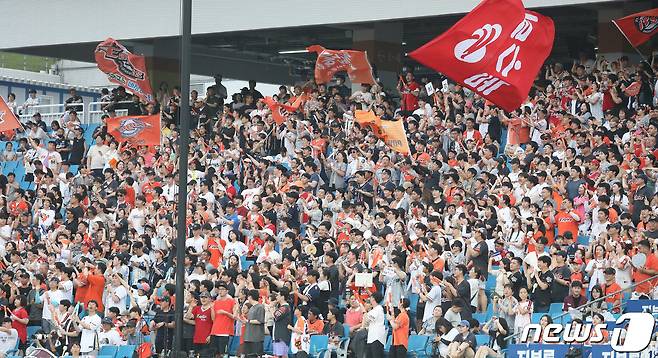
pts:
pixel 136 130
pixel 640 27
pixel 355 63
pixel 124 68
pixel 8 120
pixel 496 50
pixel 281 112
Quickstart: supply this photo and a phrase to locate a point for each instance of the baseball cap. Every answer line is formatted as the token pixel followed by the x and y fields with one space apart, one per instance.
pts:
pixel 609 271
pixel 204 294
pixel 107 320
pixel 464 323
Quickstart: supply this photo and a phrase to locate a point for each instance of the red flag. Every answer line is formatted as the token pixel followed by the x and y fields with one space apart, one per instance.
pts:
pixel 8 120
pixel 124 68
pixel 355 63
pixel 280 112
pixel 496 50
pixel 638 28
pixel 137 130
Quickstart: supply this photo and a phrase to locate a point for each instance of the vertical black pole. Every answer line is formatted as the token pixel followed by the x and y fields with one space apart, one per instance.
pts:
pixel 183 152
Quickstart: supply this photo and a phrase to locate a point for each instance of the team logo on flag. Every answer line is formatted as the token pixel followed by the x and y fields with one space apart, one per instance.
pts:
pixel 646 24
pixel 132 127
pixel 114 52
pixel 474 49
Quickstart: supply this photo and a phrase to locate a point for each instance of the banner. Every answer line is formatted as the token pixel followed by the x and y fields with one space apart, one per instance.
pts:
pixel 355 63
pixel 496 50
pixel 638 28
pixel 8 120
pixel 392 132
pixel 124 68
pixel 137 130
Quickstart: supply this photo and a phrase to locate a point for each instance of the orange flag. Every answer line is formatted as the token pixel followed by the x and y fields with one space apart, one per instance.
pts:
pixel 392 132
pixel 355 63
pixel 396 136
pixel 8 120
pixel 136 130
pixel 370 120
pixel 281 112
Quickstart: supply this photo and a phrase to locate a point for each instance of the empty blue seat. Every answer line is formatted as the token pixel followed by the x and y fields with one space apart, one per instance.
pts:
pixel 556 309
pixel 413 303
pixel 233 346
pixel 536 317
pixel 482 339
pixel 108 350
pixel 318 344
pixel 346 330
pixel 418 345
pixel 481 317
pixel 389 343
pixel 125 351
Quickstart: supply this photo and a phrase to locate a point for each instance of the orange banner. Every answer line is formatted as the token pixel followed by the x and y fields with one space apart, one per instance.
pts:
pixel 392 132
pixel 8 120
pixel 355 63
pixel 137 130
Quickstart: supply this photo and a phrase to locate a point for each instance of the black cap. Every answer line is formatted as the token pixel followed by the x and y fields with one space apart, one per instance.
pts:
pixel 609 271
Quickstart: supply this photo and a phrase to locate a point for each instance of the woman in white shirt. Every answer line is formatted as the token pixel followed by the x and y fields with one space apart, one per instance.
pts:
pixel 516 239
pixel 376 329
pixel 595 267
pixel 595 102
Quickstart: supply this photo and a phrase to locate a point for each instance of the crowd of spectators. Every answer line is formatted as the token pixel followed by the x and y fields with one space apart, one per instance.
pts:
pixel 296 229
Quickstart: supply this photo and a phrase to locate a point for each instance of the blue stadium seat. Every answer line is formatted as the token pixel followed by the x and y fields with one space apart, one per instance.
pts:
pixel 125 351
pixel 536 317
pixel 481 317
pixel 482 339
pixel 389 343
pixel 108 350
pixel 556 309
pixel 413 303
pixel 73 168
pixel 346 330
pixel 318 344
pixel 418 345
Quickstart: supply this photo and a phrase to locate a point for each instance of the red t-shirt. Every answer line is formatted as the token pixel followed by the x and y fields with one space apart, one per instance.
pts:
pixel 19 327
pixel 409 101
pixel 203 324
pixel 223 324
pixel 566 222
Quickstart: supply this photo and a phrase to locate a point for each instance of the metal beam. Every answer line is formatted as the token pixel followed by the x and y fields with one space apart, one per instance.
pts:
pixel 183 153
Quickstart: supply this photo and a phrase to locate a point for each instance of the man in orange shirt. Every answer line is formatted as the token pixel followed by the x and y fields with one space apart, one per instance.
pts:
pixel 400 325
pixel 649 269
pixel 313 324
pixel 612 288
pixel 567 219
pixel 225 310
pixel 96 284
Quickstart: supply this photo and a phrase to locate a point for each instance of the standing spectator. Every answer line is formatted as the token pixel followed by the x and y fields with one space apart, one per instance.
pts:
pixel 163 325
pixel 74 102
pixel 224 313
pixel 282 320
pixel 254 334
pixel 376 330
pixel 400 325
pixel 88 327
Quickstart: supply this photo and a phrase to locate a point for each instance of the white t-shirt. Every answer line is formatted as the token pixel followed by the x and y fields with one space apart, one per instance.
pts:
pixel 376 328
pixel 434 300
pixel 137 218
pixel 67 289
pixel 88 336
pixel 111 337
pixel 8 340
pixel 121 293
pixel 197 243
pixel 54 297
pixel 96 156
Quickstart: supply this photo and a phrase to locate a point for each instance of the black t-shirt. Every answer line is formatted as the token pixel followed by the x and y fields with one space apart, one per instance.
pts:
pixel 77 151
pixel 481 261
pixel 470 338
pixel 640 196
pixel 559 291
pixel 542 297
pixel 164 334
pixel 518 281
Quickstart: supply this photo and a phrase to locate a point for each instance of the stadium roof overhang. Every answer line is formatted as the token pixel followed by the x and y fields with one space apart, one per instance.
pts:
pixel 243 41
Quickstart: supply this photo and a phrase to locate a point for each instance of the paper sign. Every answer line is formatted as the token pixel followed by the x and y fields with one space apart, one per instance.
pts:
pixel 444 86
pixel 363 279
pixel 429 88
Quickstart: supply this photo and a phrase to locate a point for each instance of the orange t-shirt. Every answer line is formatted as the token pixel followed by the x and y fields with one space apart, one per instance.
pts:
pixel 216 248
pixel 566 222
pixel 401 333
pixel 646 287
pixel 223 324
pixel 609 290
pixel 95 290
pixel 315 327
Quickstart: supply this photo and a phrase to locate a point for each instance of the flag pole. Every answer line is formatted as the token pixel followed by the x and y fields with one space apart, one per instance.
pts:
pixel 630 43
pixel 181 225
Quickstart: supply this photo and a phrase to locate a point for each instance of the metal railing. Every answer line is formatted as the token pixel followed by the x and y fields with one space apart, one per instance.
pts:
pixel 95 111
pixel 581 308
pixel 49 112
